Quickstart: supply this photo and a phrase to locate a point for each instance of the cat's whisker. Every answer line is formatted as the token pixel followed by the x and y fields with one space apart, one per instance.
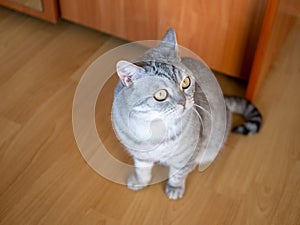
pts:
pixel 200 118
pixel 200 107
pixel 201 100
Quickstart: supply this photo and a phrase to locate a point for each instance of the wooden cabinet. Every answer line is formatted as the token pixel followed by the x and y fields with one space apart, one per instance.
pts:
pixel 237 37
pixel 280 17
pixel 223 33
pixel 43 9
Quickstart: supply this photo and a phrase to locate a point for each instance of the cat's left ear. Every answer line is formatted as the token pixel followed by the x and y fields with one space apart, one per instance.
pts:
pixel 170 38
pixel 127 72
pixel 169 44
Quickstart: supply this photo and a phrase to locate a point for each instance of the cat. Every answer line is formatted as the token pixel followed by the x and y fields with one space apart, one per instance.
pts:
pixel 160 112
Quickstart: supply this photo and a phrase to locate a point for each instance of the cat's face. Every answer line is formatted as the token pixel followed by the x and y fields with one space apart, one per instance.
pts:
pixel 158 90
pixel 158 87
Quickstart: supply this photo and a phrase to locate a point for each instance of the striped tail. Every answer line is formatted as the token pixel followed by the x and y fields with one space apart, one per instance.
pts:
pixel 251 114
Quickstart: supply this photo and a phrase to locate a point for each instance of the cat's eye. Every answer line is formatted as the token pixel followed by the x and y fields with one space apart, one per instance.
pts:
pixel 185 83
pixel 161 95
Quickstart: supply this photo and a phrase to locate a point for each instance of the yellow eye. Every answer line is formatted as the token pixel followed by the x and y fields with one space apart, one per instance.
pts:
pixel 161 95
pixel 185 83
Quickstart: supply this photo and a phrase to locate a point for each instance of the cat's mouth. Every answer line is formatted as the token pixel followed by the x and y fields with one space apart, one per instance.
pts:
pixel 182 109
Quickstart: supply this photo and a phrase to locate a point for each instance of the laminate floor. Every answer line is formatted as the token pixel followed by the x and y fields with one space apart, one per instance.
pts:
pixel 45 180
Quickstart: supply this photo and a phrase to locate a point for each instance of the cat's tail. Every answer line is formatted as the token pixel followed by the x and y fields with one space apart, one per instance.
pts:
pixel 245 108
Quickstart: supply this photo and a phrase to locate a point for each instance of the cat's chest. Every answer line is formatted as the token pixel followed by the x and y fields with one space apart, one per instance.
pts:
pixel 162 141
pixel 154 131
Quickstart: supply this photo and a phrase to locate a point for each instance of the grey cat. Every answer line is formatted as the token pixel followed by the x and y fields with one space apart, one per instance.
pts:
pixel 161 115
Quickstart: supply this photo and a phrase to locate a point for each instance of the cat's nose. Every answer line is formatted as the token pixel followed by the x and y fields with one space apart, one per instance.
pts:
pixel 182 102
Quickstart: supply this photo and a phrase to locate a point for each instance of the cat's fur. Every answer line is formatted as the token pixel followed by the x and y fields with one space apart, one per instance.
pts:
pixel 171 130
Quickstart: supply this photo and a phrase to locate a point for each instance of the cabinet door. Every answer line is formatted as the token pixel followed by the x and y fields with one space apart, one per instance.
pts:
pixel 279 19
pixel 43 9
pixel 224 33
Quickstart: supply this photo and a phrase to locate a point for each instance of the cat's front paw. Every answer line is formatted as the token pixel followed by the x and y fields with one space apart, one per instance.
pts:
pixel 134 183
pixel 174 192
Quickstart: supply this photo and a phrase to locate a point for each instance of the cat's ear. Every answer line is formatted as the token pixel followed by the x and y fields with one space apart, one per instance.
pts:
pixel 170 39
pixel 127 72
pixel 168 44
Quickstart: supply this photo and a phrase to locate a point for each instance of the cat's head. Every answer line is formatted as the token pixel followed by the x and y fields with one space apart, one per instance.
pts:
pixel 158 86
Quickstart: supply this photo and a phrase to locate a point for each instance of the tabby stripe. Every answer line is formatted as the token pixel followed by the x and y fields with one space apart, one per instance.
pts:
pixel 257 123
pixel 253 112
pixel 256 119
pixel 166 70
pixel 249 109
pixel 141 102
pixel 242 129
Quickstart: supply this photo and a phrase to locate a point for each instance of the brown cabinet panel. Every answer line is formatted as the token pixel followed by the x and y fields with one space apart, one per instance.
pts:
pixel 46 10
pixel 223 33
pixel 280 18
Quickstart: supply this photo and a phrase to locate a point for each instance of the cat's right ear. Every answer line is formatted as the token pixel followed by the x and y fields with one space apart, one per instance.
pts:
pixel 127 71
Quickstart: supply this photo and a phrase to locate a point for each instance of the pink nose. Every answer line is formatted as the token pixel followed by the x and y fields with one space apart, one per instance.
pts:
pixel 182 102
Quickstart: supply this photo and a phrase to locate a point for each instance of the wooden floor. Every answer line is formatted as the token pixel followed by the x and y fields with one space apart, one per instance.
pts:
pixel 44 179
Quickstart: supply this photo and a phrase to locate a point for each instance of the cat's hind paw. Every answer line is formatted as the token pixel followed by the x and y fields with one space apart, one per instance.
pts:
pixel 174 192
